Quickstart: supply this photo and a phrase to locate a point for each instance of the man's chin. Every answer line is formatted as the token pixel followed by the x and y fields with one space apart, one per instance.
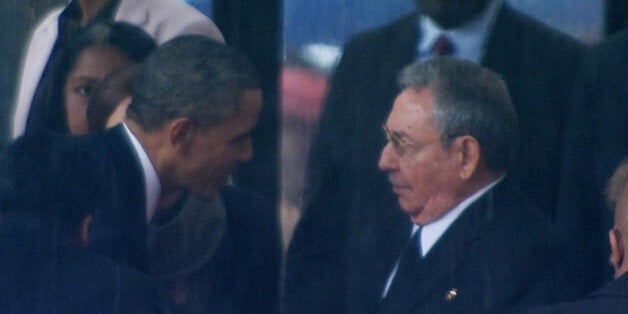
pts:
pixel 412 210
pixel 406 207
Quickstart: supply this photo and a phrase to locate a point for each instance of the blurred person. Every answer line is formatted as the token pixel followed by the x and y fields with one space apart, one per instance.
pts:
pixel 303 86
pixel 613 297
pixel 93 54
pixel 595 143
pixel 348 215
pixel 195 102
pixel 161 19
pixel 44 266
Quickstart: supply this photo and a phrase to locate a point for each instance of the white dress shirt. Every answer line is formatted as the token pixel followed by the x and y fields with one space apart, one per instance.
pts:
pixel 469 40
pixel 433 231
pixel 151 180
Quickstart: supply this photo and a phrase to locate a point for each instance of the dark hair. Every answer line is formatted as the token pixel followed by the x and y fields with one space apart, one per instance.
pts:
pixel 470 100
pixel 128 39
pixel 191 76
pixel 107 96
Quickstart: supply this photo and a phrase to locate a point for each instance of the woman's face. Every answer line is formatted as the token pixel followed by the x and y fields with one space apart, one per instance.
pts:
pixel 92 66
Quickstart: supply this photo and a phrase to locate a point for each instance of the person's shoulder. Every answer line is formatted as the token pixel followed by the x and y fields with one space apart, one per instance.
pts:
pixel 611 298
pixel 35 146
pixel 618 40
pixel 375 37
pixel 590 304
pixel 166 19
pixel 50 19
pixel 531 28
pixel 612 50
pixel 516 210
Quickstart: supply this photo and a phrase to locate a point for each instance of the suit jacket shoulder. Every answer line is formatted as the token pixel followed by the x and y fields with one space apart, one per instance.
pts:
pixel 492 259
pixel 611 298
pixel 533 39
pixel 165 19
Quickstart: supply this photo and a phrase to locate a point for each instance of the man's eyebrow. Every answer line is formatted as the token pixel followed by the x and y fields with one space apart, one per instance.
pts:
pixel 399 134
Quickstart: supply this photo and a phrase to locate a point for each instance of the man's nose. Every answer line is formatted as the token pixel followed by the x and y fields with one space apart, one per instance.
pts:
pixel 388 160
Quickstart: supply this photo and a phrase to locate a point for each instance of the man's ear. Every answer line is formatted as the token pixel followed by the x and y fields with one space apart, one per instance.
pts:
pixel 468 155
pixel 119 113
pixel 181 132
pixel 617 248
pixel 83 232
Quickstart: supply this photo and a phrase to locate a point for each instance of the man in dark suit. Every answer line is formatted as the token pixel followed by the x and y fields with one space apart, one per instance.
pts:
pixel 348 216
pixel 613 297
pixel 195 103
pixel 596 141
pixel 479 245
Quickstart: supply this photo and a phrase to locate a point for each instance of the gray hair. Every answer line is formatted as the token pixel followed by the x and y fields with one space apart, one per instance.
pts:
pixel 469 100
pixel 617 184
pixel 194 77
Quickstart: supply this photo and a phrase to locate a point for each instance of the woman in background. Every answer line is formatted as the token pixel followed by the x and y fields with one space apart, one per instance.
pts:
pixel 98 51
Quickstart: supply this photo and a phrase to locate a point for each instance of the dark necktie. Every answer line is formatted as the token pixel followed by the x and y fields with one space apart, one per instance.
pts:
pixel 442 46
pixel 408 269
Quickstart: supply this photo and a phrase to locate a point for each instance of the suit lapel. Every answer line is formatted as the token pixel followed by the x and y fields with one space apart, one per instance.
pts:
pixel 126 216
pixel 453 249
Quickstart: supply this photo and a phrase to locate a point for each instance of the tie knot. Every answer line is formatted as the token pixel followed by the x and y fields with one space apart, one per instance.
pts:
pixel 442 46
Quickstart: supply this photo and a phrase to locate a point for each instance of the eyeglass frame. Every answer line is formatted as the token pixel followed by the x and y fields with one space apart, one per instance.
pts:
pixel 399 143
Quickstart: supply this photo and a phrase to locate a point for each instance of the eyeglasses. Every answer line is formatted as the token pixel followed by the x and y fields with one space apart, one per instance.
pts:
pixel 402 146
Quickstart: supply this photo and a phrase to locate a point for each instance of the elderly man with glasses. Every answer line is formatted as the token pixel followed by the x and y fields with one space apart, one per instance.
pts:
pixel 477 245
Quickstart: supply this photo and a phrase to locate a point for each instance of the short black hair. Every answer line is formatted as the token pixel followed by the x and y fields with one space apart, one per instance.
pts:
pixel 191 76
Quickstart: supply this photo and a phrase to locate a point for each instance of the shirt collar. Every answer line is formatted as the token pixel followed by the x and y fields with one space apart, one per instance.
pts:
pixel 431 232
pixel 151 180
pixel 469 40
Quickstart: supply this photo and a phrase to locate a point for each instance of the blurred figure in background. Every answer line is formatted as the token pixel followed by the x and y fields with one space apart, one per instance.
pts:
pixel 596 140
pixel 93 54
pixel 613 297
pixel 161 19
pixel 303 87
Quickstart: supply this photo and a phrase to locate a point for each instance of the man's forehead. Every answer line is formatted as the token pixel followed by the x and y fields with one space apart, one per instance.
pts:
pixel 412 109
